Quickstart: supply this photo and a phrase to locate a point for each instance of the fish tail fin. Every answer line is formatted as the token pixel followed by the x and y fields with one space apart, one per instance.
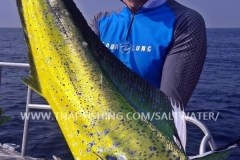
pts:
pixel 219 154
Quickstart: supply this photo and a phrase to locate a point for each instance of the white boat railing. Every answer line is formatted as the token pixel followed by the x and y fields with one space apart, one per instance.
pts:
pixel 207 139
pixel 29 104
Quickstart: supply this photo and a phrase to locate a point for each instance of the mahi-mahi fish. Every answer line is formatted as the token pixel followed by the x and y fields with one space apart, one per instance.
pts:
pixel 80 78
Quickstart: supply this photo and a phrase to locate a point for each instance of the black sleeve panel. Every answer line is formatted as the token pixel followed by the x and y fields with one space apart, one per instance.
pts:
pixel 93 23
pixel 185 58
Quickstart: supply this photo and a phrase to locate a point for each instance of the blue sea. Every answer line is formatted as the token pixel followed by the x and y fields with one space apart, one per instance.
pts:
pixel 218 92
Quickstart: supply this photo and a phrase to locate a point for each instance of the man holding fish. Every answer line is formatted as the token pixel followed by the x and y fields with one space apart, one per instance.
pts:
pixel 161 40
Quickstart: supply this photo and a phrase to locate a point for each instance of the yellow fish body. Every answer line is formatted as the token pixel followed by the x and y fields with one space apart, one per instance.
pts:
pixel 93 90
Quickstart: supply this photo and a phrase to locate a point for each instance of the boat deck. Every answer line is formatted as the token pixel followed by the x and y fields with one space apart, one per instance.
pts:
pixel 11 154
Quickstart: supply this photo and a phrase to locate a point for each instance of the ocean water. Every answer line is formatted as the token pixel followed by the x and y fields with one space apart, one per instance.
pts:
pixel 218 92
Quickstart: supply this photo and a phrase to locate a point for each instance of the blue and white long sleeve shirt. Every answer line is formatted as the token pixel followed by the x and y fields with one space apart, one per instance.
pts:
pixel 164 42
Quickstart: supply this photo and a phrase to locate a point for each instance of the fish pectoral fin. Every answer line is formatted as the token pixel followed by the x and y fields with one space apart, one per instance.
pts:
pixel 33 85
pixel 98 155
pixel 32 81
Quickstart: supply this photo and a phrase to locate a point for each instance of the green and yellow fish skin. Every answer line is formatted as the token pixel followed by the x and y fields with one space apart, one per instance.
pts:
pixel 79 84
pixel 66 74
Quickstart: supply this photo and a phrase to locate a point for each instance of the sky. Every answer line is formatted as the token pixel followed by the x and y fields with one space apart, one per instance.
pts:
pixel 217 13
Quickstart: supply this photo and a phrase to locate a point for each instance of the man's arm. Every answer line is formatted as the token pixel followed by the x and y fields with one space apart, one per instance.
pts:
pixel 93 23
pixel 185 58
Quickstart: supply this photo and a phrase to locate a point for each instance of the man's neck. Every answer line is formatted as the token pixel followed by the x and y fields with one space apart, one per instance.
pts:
pixel 134 5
